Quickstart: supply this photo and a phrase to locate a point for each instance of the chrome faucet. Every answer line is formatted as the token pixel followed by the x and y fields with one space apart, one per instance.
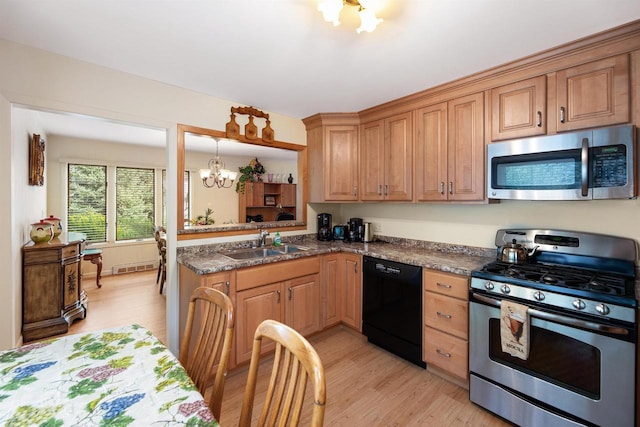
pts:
pixel 263 236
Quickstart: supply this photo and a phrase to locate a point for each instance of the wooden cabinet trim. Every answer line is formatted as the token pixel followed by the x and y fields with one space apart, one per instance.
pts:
pixel 251 277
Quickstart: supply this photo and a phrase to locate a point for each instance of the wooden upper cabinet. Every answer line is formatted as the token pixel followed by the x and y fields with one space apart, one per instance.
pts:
pixel 431 161
pixel 593 94
pixel 341 163
pixel 450 150
pixel 466 148
pixel 372 160
pixel 386 150
pixel 519 109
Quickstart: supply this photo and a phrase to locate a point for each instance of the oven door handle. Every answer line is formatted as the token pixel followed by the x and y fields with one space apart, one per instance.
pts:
pixel 544 315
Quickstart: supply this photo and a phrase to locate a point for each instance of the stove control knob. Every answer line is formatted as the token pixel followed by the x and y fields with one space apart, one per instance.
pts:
pixel 579 304
pixel 488 286
pixel 603 309
pixel 505 289
pixel 538 296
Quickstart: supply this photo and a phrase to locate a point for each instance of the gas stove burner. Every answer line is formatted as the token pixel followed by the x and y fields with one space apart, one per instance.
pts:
pixel 566 277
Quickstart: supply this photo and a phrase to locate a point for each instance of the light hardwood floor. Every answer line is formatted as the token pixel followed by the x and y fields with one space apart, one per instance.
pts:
pixel 124 299
pixel 366 386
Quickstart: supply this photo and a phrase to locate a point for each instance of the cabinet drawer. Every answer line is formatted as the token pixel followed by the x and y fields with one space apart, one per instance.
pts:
pixel 70 251
pixel 448 284
pixel 446 352
pixel 447 314
pixel 276 272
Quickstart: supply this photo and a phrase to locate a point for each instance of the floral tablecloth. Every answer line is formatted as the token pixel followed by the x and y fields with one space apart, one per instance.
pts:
pixel 116 377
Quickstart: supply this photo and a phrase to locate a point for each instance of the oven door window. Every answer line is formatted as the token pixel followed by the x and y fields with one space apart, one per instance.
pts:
pixel 554 357
pixel 553 170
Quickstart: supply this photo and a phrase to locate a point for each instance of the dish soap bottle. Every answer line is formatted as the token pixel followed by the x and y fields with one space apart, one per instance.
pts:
pixel 277 241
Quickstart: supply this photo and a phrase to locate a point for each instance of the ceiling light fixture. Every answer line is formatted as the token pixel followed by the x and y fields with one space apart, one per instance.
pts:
pixel 366 9
pixel 217 175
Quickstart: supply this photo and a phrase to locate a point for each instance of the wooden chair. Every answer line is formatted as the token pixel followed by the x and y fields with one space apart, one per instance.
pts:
pixel 210 320
pixel 161 242
pixel 294 363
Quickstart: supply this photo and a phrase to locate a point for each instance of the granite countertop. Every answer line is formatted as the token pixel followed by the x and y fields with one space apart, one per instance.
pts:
pixel 455 259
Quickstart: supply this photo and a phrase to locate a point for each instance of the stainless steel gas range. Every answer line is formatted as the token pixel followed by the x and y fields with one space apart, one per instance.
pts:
pixel 578 293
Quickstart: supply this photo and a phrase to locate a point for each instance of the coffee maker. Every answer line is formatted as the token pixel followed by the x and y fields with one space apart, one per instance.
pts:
pixel 325 232
pixel 356 230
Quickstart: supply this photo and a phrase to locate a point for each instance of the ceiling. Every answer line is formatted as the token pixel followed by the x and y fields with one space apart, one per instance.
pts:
pixel 280 56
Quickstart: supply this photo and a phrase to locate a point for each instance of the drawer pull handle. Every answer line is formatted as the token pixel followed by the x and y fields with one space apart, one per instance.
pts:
pixel 443 285
pixel 446 316
pixel 442 353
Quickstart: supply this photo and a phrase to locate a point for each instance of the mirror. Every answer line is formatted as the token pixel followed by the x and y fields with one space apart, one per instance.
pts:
pixel 196 146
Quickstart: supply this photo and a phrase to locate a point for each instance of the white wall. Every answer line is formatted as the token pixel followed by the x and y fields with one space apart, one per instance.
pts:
pixel 32 77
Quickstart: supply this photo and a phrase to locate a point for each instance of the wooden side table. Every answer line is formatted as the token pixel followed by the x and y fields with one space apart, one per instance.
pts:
pixel 95 256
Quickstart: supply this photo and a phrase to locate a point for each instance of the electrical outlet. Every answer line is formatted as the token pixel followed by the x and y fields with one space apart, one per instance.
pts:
pixel 377 227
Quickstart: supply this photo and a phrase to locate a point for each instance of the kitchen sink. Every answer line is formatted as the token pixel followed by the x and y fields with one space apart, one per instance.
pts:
pixel 287 249
pixel 253 253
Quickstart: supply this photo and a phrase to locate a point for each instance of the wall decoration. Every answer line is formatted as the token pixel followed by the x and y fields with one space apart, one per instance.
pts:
pixel 250 129
pixel 36 160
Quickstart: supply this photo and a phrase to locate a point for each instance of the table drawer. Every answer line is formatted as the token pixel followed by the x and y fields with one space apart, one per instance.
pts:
pixel 448 284
pixel 446 352
pixel 447 314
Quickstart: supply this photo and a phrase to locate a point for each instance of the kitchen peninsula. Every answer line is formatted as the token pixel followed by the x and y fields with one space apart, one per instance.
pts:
pixel 314 285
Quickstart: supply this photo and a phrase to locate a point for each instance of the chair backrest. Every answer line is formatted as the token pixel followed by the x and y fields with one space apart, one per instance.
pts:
pixel 294 363
pixel 213 333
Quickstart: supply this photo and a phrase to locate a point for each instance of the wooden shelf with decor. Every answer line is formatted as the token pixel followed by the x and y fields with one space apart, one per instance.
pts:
pixel 267 199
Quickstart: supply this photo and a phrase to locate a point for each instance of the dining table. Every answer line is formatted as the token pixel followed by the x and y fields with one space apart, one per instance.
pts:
pixel 114 377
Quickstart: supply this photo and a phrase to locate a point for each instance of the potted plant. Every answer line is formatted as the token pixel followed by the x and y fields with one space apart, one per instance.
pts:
pixel 251 173
pixel 205 219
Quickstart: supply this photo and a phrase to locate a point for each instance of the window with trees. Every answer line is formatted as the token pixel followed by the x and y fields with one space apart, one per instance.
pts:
pixel 135 203
pixel 87 201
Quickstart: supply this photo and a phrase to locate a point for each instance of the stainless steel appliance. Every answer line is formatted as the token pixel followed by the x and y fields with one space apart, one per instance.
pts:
pixel 367 235
pixel 581 368
pixel 392 307
pixel 356 229
pixel 590 164
pixel 325 231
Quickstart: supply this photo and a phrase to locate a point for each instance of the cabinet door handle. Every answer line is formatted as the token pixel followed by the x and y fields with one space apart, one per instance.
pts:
pixel 289 294
pixel 228 286
pixel 379 189
pixel 562 113
pixel 539 124
pixel 278 296
pixel 443 285
pixel 355 191
pixel 450 187
pixel 442 353
pixel 446 316
pixel 355 268
pixel 442 187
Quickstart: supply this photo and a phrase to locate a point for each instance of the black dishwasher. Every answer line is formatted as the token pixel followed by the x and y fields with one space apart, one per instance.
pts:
pixel 392 307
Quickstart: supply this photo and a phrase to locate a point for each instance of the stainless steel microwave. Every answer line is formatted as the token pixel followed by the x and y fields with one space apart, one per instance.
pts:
pixel 591 164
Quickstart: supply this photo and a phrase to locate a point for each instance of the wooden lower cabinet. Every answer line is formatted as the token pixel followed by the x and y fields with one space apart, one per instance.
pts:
pixel 341 278
pixel 350 271
pixel 330 290
pixel 287 291
pixel 446 322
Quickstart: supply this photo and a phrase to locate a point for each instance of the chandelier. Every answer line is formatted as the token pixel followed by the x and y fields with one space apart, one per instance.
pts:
pixel 366 9
pixel 217 175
